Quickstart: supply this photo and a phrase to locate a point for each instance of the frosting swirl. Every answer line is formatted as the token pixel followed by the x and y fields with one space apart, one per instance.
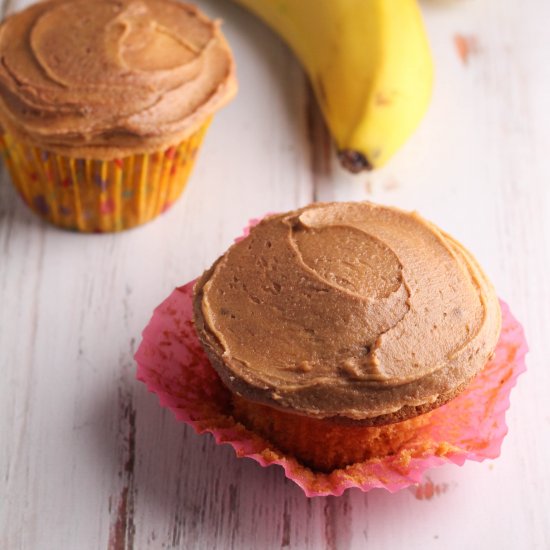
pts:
pixel 110 78
pixel 347 310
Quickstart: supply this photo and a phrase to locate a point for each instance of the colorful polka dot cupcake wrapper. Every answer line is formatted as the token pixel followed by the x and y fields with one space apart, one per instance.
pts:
pixel 96 196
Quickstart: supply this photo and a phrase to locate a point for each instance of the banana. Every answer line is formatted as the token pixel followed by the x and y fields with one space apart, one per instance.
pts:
pixel 370 66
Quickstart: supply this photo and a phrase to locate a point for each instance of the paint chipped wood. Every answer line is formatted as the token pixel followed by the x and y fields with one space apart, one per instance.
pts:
pixel 90 460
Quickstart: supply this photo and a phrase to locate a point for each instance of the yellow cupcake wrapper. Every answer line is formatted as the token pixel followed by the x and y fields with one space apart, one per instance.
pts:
pixel 100 196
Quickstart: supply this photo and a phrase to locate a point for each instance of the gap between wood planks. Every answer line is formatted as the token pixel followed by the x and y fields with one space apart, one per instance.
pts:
pixel 6 7
pixel 321 147
pixel 122 506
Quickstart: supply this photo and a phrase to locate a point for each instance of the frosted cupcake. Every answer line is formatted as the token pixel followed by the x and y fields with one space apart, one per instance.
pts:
pixel 337 328
pixel 103 106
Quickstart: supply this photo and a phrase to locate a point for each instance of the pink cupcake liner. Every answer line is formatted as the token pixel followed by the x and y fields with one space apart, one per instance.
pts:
pixel 472 426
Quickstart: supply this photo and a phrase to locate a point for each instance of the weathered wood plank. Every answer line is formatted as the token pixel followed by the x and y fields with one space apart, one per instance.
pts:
pixel 88 458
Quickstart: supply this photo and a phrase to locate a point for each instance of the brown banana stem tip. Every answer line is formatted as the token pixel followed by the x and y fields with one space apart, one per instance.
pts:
pixel 354 161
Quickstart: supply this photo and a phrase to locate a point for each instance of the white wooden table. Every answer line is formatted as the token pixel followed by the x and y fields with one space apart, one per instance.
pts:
pixel 88 459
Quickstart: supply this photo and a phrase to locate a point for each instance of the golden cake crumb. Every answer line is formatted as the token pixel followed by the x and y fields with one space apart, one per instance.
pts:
pixel 324 445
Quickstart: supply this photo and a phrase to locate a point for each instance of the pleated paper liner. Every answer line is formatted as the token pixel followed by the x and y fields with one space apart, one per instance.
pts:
pixel 96 196
pixel 472 426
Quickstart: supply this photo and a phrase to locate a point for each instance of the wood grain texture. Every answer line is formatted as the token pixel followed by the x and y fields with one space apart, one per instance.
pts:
pixel 88 458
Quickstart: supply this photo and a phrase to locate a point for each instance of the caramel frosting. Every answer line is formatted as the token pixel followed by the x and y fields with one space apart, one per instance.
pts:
pixel 109 78
pixel 347 310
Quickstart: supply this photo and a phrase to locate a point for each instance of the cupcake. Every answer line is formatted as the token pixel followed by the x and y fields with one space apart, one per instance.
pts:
pixel 339 329
pixel 103 106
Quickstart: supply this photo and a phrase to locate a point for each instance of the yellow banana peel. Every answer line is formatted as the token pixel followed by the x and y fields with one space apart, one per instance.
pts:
pixel 370 66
